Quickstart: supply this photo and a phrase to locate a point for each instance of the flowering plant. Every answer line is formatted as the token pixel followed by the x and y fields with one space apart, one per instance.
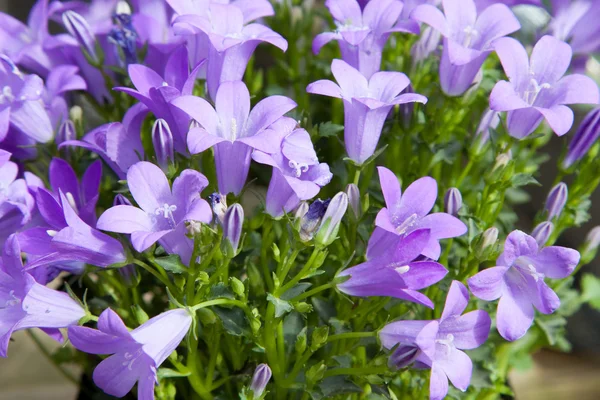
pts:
pixel 291 200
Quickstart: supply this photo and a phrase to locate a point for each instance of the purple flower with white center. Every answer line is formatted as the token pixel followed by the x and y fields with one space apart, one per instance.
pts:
pixel 362 34
pixel 542 232
pixel 261 378
pixel 587 134
pixel 396 272
pixel 21 106
pixel 557 199
pixel 16 202
pixel 134 356
pixel 367 104
pixel 406 212
pixel 156 92
pixel 468 38
pixel 28 304
pixel 438 344
pixel 162 212
pixel 518 280
pixel 537 89
pixel 297 173
pixel 574 21
pixel 119 144
pixel 234 130
pixel 231 42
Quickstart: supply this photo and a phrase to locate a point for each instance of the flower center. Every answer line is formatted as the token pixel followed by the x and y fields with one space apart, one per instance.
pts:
pixel 534 89
pixel 131 358
pixel 167 211
pixel 51 232
pixel 71 200
pixel 407 224
pixel 298 168
pixel 470 34
pixel 528 268
pixel 6 96
pixel 448 341
pixel 401 270
pixel 234 129
pixel 12 300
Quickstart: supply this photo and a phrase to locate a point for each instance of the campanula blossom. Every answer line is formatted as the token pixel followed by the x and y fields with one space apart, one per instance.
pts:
pixel 537 88
pixel 587 134
pixel 362 34
pixel 231 41
pixel 260 379
pixel 331 220
pixel 396 272
pixel 468 38
pixel 367 103
pixel 297 173
pixel 16 202
pixel 439 344
pixel 28 304
pixel 574 21
pixel 162 212
pixel 234 130
pixel 410 211
pixel 134 355
pixel 518 281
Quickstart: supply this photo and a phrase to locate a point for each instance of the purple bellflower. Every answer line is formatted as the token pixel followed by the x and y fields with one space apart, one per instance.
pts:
pixel 362 34
pixel 574 21
pixel 231 42
pixel 587 134
pixel 297 173
pixel 366 104
pixel 136 355
pixel 261 378
pixel 468 38
pixel 537 89
pixel 16 202
pixel 438 344
pixel 28 304
pixel 119 144
pixel 332 219
pixel 409 211
pixel 396 272
pixel 162 212
pixel 518 280
pixel 156 92
pixel 234 130
pixel 483 4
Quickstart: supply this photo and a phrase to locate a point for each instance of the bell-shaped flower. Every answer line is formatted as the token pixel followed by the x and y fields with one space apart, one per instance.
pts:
pixel 362 34
pixel 162 212
pixel 537 88
pixel 409 211
pixel 234 130
pixel 367 103
pixel 134 355
pixel 156 92
pixel 60 80
pixel 16 202
pixel 231 42
pixel 468 38
pixel 396 272
pixel 25 304
pixel 483 4
pixel 575 22
pixel 518 281
pixel 297 173
pixel 438 344
pixel 119 144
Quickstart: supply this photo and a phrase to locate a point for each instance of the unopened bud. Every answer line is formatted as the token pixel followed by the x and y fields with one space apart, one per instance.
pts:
pixel 301 340
pixel 66 132
pixel 121 200
pixel 584 138
pixel 452 201
pixel 490 237
pixel 78 27
pixel 237 286
pixel 319 337
pixel 542 232
pixel 232 225
pixel 403 356
pixel 330 224
pixel 353 194
pixel 76 115
pixel 557 198
pixel 218 203
pixel 162 139
pixel 261 377
pixel 485 243
pixel 123 8
pixel 489 121
pixel 312 218
pixel 590 247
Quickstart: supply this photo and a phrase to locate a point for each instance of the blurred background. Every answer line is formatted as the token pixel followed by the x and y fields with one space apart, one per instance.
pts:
pixel 29 375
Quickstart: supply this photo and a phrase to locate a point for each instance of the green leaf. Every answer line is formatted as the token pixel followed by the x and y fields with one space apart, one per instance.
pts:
pixel 552 327
pixel 171 373
pixel 328 129
pixel 234 320
pixel 282 307
pixel 219 291
pixel 337 385
pixel 523 180
pixel 590 288
pixel 172 264
pixel 296 290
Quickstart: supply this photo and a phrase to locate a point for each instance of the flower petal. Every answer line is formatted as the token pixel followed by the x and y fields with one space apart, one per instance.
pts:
pixel 352 82
pixel 438 383
pixel 149 186
pixel 488 284
pixel 514 59
pixel 515 313
pixel 443 226
pixel 419 198
pixel 517 243
pixel 556 262
pixel 550 59
pixel 325 87
pixel 505 98
pixel 200 110
pixel 432 16
pixel 268 111
pixel 560 118
pixel 144 78
pixel 469 331
pixel 390 186
pixel 125 219
pixel 404 332
pixel 118 373
pixel 577 89
pixel 456 300
pixel 458 367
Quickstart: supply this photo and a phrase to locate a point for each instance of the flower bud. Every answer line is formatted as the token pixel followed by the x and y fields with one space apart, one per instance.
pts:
pixel 312 218
pixel 124 37
pixel 232 225
pixel 76 115
pixel 354 201
pixel 332 219
pixel 123 8
pixel 237 286
pixel 66 132
pixel 452 201
pixel 557 198
pixel 427 44
pixel 502 168
pixel 301 340
pixel 489 121
pixel 584 138
pixel 403 356
pixel 121 200
pixel 319 337
pixel 78 27
pixel 490 237
pixel 162 139
pixel 542 232
pixel 261 377
pixel 218 203
pixel 592 240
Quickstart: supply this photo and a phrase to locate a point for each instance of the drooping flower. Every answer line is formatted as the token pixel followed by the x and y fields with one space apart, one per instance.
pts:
pixel 134 356
pixel 409 211
pixel 468 38
pixel 162 212
pixel 362 34
pixel 16 202
pixel 231 42
pixel 297 173
pixel 366 104
pixel 28 304
pixel 396 272
pixel 234 130
pixel 587 134
pixel 537 89
pixel 518 280
pixel 438 344
pixel 157 93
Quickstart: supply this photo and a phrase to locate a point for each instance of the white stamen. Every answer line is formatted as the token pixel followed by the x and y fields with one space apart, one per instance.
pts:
pixel 449 341
pixel 407 224
pixel 525 266
pixel 403 269
pixel 534 273
pixel 6 96
pixel 167 211
pixel 299 168
pixel 131 358
pixel 534 90
pixel 165 84
pixel 12 301
pixel 71 200
pixel 233 128
pixel 51 232
pixel 470 34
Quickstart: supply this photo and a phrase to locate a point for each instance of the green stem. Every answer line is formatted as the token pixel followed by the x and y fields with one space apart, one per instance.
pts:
pixel 314 291
pixel 357 175
pixel 307 267
pixel 217 302
pixel 158 276
pixel 48 356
